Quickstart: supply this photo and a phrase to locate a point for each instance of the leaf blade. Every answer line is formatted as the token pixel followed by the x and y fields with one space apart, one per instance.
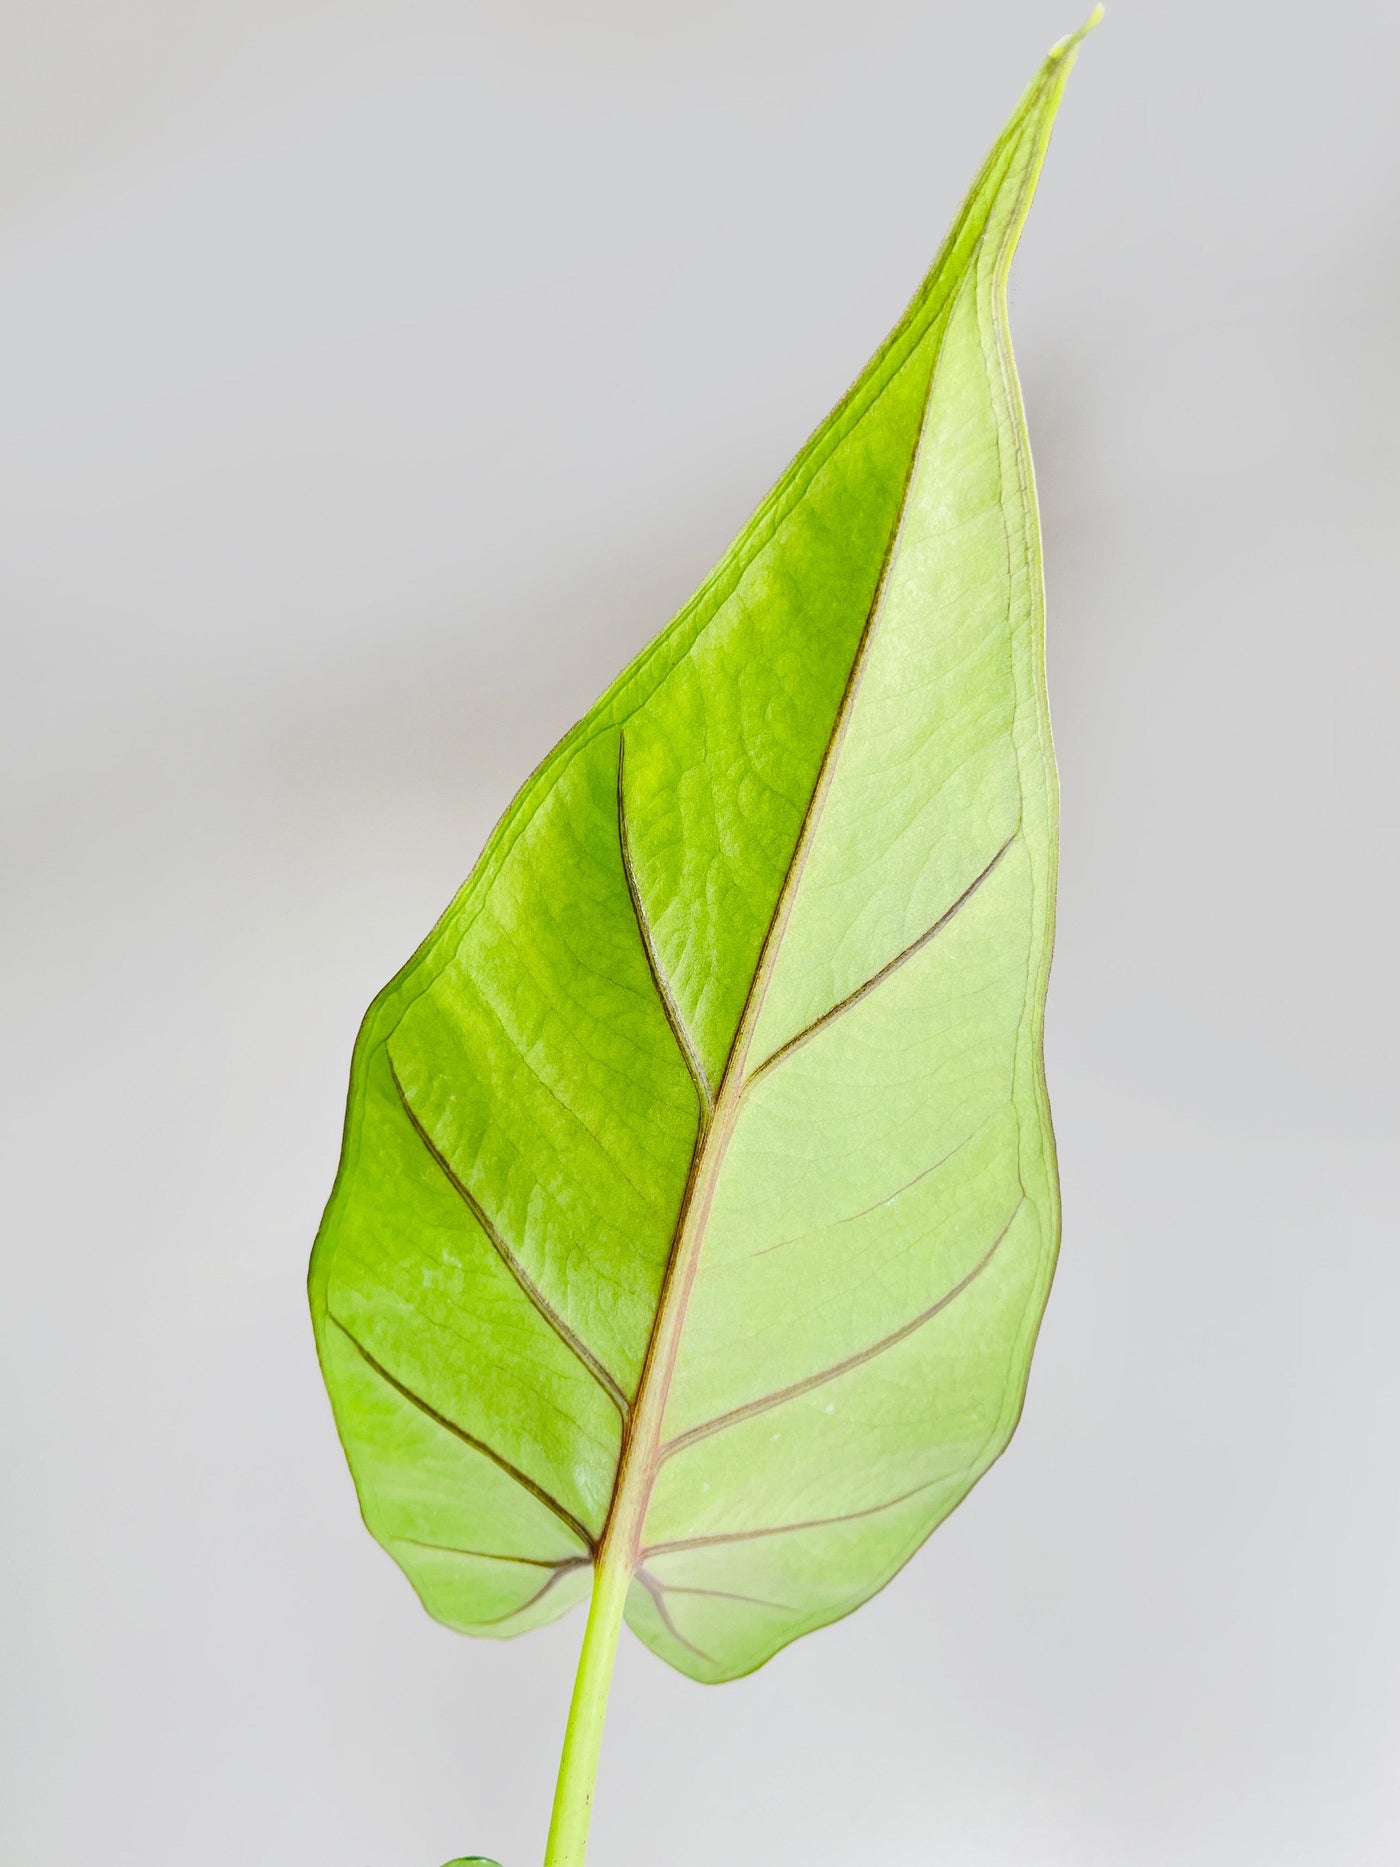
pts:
pixel 752 973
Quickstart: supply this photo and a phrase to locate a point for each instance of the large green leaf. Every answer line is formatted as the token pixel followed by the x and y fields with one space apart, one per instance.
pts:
pixel 698 1197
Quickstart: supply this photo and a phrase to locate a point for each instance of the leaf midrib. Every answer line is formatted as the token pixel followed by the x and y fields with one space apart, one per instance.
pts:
pixel 641 1450
pixel 641 1438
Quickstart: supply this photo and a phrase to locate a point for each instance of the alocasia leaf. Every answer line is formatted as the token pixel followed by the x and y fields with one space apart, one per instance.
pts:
pixel 698 1201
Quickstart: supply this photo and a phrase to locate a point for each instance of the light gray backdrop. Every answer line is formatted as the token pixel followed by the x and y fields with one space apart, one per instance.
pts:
pixel 377 379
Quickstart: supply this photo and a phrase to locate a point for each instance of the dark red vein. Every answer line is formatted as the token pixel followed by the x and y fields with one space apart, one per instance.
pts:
pixel 490 1555
pixel 532 1291
pixel 850 1218
pixel 891 966
pixel 657 1592
pixel 521 1478
pixel 496 1620
pixel 766 1402
pixel 786 1529
pixel 728 1594
pixel 684 1042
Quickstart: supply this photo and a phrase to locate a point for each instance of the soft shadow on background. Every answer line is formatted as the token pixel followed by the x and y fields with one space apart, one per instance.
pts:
pixel 378 379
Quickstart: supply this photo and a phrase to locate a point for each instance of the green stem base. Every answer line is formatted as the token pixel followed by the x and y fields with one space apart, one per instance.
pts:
pixel 583 1736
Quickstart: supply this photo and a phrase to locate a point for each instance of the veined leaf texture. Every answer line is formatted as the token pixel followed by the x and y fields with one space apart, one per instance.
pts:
pixel 698 1197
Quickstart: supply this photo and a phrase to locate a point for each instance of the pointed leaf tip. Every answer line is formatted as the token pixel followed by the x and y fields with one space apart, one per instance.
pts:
pixel 1064 48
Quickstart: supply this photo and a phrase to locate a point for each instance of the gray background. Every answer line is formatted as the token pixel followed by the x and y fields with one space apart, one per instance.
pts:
pixel 377 378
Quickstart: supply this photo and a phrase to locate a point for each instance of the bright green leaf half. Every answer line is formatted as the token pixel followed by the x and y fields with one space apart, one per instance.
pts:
pixel 698 1195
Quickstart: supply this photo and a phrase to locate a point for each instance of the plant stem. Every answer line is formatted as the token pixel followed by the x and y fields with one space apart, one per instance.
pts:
pixel 583 1736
